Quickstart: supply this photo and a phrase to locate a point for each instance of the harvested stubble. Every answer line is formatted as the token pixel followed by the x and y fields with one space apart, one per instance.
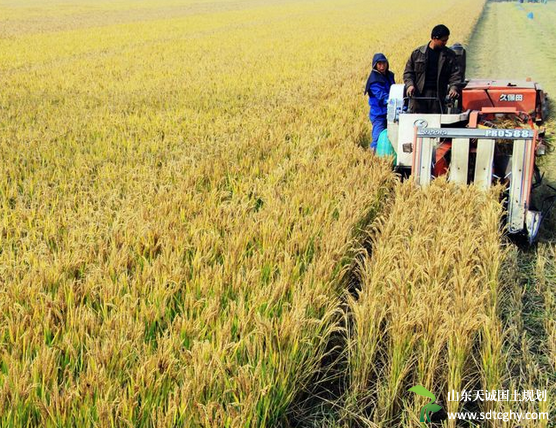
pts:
pixel 427 303
pixel 528 328
pixel 546 286
pixel 528 281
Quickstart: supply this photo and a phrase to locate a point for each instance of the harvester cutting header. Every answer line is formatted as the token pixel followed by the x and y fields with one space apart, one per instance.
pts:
pixel 490 134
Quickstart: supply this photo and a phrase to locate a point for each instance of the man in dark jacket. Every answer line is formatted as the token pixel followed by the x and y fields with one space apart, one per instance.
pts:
pixel 430 72
pixel 378 88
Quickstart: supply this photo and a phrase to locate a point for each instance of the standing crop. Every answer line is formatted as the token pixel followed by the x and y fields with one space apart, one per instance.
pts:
pixel 428 298
pixel 182 188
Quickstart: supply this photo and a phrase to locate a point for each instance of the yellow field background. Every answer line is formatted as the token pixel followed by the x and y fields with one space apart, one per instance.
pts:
pixel 184 186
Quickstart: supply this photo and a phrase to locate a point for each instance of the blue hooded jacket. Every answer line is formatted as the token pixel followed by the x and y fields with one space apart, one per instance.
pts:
pixel 378 88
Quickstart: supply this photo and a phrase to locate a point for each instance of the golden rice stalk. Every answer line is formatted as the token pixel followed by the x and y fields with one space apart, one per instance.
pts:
pixel 427 295
pixel 179 197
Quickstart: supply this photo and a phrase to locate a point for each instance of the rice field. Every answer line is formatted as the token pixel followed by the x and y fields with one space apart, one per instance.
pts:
pixel 185 197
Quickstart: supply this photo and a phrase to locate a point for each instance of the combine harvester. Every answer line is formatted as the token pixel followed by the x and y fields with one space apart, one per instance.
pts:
pixel 493 137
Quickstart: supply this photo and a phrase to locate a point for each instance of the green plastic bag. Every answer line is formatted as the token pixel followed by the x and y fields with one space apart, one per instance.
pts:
pixel 384 146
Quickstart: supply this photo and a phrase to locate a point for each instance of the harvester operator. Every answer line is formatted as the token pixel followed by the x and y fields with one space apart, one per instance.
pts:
pixel 430 72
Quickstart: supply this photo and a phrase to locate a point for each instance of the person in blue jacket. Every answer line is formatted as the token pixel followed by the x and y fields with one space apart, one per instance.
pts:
pixel 378 88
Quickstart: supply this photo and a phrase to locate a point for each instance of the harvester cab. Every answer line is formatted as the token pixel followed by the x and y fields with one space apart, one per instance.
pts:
pixel 492 135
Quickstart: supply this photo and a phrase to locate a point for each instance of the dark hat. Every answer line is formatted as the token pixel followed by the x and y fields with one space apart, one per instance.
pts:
pixel 378 57
pixel 440 31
